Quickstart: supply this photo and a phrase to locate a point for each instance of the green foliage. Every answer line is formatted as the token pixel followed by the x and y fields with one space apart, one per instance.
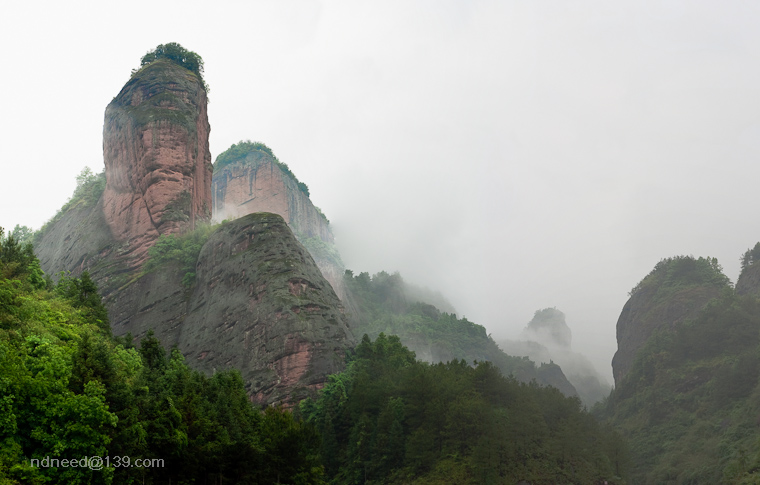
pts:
pixel 320 249
pixel 241 150
pixel 682 271
pixel 182 250
pixel 383 306
pixel 87 193
pixel 750 256
pixel 68 391
pixel 178 55
pixel 689 404
pixel 83 293
pixel 17 260
pixel 389 418
pixel 23 234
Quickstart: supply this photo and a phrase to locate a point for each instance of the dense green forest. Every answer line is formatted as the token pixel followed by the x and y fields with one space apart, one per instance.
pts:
pixel 389 418
pixel 689 406
pixel 383 305
pixel 70 390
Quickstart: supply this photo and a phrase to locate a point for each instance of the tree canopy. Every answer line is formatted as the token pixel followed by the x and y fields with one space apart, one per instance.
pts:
pixel 178 55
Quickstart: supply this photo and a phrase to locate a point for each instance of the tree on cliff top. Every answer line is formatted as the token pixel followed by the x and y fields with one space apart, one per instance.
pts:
pixel 178 55
pixel 238 151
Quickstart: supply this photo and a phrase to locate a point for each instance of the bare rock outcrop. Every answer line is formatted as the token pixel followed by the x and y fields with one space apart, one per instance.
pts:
pixel 256 302
pixel 158 164
pixel 259 304
pixel 257 183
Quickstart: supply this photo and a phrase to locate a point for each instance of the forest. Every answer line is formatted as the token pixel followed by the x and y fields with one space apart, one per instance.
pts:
pixel 69 389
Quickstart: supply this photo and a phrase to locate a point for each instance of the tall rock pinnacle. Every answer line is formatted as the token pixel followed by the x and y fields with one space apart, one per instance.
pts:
pixel 158 165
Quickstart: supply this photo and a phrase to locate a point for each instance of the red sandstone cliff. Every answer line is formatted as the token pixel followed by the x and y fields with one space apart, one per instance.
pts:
pixel 256 183
pixel 258 301
pixel 158 164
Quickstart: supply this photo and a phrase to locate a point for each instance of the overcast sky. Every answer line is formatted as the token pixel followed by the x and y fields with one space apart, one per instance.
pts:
pixel 515 155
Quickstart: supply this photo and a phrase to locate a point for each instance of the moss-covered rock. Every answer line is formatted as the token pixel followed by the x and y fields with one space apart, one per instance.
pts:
pixel 675 290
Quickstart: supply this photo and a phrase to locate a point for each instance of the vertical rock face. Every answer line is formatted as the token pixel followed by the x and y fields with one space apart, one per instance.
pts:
pixel 158 164
pixel 262 305
pixel 675 291
pixel 749 281
pixel 257 184
pixel 257 301
pixel 259 304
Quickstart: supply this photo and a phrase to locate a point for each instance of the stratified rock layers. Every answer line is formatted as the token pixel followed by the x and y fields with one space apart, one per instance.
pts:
pixel 257 184
pixel 158 164
pixel 259 304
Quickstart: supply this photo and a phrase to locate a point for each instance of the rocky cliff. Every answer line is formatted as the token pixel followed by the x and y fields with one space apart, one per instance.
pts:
pixel 687 403
pixel 156 153
pixel 244 295
pixel 248 178
pixel 259 304
pixel 675 291
pixel 749 279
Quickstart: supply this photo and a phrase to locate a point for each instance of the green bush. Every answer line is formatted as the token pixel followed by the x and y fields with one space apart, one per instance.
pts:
pixel 682 271
pixel 178 55
pixel 182 250
pixel 87 193
pixel 69 390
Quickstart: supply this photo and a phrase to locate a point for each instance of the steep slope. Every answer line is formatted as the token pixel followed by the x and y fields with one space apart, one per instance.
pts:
pixel 245 295
pixel 253 180
pixel 248 178
pixel 674 291
pixel 158 164
pixel 258 304
pixel 749 279
pixel 385 305
pixel 688 403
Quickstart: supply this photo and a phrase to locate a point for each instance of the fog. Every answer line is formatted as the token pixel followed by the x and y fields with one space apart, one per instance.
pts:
pixel 513 155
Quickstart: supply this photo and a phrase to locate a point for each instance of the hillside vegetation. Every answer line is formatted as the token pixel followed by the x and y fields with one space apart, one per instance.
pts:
pixel 389 418
pixel 69 390
pixel 384 306
pixel 689 406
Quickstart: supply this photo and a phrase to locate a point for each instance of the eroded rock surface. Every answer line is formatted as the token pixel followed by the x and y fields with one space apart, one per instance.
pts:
pixel 749 281
pixel 259 304
pixel 156 153
pixel 675 291
pixel 257 184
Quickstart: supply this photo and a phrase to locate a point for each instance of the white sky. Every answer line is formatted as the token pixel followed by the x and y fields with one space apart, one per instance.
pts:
pixel 513 154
